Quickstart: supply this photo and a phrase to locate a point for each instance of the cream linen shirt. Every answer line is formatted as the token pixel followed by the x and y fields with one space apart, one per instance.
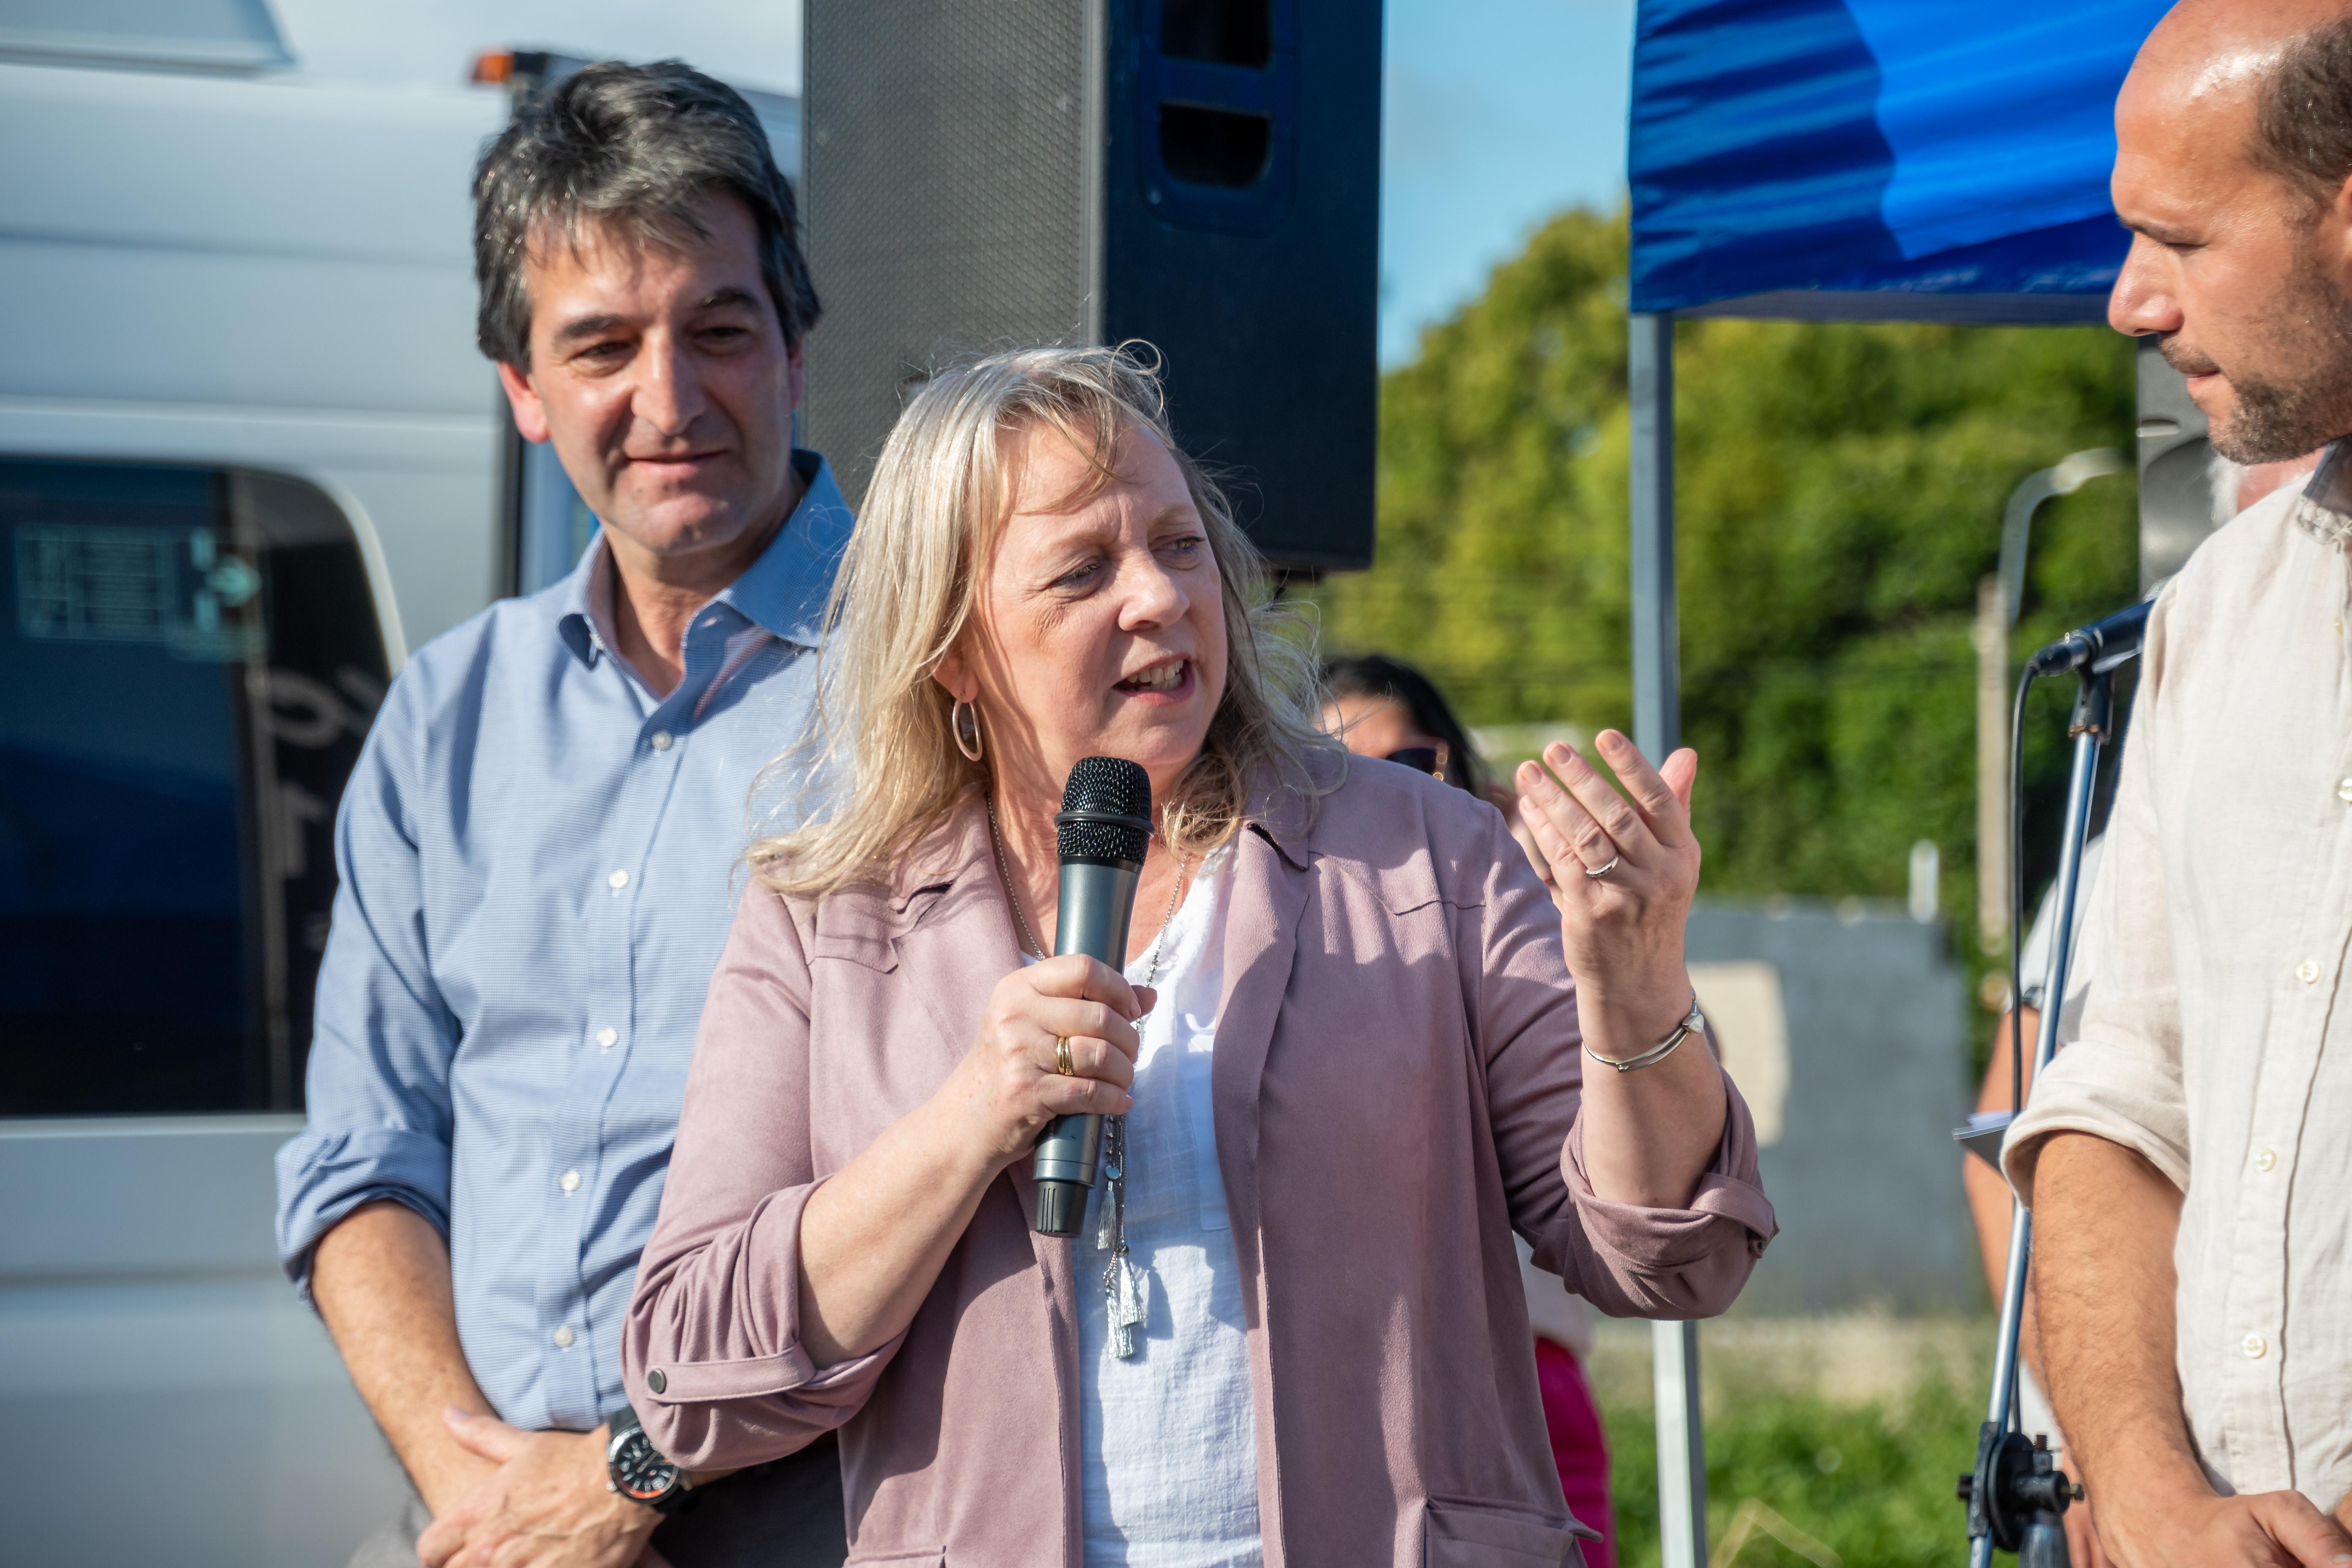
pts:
pixel 2212 1040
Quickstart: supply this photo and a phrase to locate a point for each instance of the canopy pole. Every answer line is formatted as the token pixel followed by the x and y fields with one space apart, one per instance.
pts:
pixel 1657 729
pixel 1657 664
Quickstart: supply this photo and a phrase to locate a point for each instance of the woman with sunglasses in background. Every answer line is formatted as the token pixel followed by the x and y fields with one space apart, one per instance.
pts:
pixel 1383 707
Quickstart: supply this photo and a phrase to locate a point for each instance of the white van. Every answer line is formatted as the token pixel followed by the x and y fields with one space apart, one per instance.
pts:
pixel 248 457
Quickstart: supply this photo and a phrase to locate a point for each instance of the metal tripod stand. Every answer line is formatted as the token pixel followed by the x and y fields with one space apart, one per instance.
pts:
pixel 2016 1495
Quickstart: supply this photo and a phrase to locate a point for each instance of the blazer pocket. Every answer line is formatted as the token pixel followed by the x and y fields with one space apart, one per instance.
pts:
pixel 897 1560
pixel 1459 1534
pixel 875 953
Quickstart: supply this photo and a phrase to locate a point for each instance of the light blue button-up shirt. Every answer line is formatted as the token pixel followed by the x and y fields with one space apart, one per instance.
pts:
pixel 540 864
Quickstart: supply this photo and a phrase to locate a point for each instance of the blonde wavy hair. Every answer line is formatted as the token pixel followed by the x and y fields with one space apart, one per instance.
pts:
pixel 882 765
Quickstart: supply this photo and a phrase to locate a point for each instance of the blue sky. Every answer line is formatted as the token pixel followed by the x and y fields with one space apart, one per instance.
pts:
pixel 1499 113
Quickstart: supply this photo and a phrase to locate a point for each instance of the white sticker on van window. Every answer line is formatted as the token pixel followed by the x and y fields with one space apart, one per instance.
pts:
pixel 175 587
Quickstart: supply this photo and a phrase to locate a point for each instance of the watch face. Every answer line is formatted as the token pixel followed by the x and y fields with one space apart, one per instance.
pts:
pixel 639 1470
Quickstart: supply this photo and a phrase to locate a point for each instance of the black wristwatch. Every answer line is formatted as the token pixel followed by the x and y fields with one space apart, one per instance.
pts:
pixel 636 1468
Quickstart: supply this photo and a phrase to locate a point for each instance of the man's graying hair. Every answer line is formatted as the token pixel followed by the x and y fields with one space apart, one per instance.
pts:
pixel 2303 112
pixel 637 146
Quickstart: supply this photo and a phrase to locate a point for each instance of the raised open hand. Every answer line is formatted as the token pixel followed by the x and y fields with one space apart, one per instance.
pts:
pixel 1624 870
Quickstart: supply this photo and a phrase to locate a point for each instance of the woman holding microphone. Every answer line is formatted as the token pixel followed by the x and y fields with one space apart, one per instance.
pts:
pixel 1348 1049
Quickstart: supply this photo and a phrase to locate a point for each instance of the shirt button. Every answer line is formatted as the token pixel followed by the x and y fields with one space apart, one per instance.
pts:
pixel 570 1182
pixel 564 1337
pixel 661 739
pixel 2344 791
pixel 605 1038
pixel 2266 1159
pixel 2307 971
pixel 2255 1347
pixel 618 879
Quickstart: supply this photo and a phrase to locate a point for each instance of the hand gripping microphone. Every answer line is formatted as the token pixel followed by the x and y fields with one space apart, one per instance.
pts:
pixel 2099 646
pixel 1101 833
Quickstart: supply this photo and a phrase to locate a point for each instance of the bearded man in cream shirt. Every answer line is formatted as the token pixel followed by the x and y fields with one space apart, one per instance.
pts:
pixel 2189 1157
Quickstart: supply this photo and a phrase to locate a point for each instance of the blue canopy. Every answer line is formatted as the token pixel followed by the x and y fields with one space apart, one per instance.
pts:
pixel 1940 160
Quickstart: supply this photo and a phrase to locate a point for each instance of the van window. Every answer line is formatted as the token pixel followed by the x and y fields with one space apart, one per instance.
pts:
pixel 191 658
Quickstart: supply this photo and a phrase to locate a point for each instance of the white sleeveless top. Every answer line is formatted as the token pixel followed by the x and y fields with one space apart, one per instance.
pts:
pixel 1168 1441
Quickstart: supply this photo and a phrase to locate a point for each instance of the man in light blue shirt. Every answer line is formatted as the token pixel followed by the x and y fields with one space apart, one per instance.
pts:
pixel 540 850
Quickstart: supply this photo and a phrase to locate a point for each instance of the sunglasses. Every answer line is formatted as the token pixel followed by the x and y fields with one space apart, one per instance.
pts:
pixel 1430 760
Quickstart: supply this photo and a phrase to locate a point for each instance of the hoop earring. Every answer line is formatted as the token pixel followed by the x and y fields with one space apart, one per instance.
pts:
pixel 971 749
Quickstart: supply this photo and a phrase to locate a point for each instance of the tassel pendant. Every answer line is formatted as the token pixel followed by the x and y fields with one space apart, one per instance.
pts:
pixel 1126 1290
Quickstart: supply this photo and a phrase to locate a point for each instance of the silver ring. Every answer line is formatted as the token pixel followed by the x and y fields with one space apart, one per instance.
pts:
pixel 1605 869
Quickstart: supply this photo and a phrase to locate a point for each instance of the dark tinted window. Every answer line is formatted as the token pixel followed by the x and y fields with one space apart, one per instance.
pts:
pixel 190 656
pixel 1228 32
pixel 1214 146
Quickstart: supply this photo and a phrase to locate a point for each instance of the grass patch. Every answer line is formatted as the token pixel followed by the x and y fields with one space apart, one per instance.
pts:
pixel 1872 1480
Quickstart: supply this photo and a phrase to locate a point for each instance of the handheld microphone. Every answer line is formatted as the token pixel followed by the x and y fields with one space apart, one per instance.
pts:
pixel 2099 646
pixel 1102 831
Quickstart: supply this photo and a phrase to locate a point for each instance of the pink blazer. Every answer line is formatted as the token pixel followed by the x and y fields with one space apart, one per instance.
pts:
pixel 1395 1084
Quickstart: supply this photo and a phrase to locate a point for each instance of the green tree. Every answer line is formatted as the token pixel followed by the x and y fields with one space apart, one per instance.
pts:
pixel 1838 492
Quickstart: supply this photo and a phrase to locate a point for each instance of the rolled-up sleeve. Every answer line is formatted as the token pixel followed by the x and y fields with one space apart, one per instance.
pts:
pixel 711 1352
pixel 1627 1260
pixel 1690 1262
pixel 377 1087
pixel 2120 1078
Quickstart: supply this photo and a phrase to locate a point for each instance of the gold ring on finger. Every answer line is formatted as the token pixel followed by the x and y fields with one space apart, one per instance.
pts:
pixel 1604 870
pixel 1062 1063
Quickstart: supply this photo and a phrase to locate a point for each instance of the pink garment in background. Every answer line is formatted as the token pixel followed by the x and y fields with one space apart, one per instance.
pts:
pixel 1578 1446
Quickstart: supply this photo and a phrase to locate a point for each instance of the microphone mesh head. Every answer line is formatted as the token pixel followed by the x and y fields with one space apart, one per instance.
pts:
pixel 1100 788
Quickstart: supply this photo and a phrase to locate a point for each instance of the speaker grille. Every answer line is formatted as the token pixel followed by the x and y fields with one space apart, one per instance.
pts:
pixel 949 170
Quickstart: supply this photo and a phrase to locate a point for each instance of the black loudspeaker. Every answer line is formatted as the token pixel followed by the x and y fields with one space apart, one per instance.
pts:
pixel 1202 174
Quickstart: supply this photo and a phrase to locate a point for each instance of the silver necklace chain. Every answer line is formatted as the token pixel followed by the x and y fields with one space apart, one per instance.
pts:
pixel 1030 946
pixel 1125 1290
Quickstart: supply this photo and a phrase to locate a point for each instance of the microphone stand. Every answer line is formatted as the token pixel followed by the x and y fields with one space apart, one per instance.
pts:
pixel 2016 1495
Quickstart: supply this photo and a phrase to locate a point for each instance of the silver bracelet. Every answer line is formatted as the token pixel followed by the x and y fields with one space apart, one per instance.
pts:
pixel 1693 1021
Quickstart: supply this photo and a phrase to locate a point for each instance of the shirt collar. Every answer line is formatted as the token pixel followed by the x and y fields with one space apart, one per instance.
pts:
pixel 1285 813
pixel 576 596
pixel 782 593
